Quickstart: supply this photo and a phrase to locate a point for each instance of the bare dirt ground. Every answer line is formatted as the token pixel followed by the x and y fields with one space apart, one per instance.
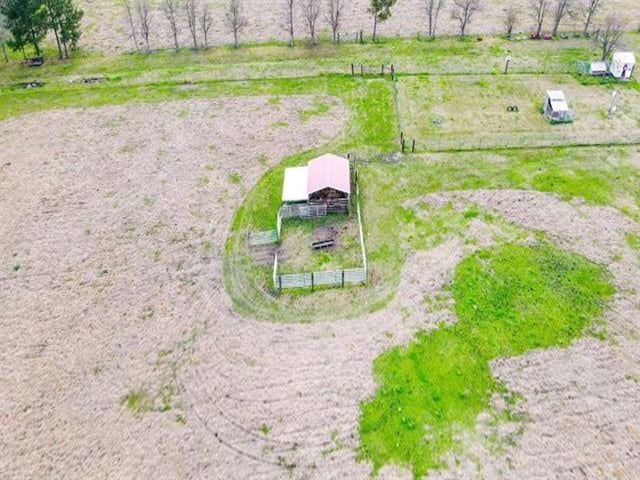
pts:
pixel 106 27
pixel 112 283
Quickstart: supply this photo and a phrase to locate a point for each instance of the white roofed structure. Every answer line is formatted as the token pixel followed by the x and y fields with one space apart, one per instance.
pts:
pixel 556 109
pixel 622 65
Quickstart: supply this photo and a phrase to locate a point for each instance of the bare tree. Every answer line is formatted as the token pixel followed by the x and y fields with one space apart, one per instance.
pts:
pixel 463 11
pixel 538 9
pixel 609 35
pixel 190 8
pixel 334 15
pixel 170 9
pixel 206 21
pixel 510 19
pixel 129 9
pixel 236 20
pixel 144 19
pixel 310 14
pixel 563 7
pixel 433 10
pixel 590 9
pixel 288 21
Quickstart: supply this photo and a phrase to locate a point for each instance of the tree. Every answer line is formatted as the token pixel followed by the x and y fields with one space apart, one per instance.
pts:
pixel 334 15
pixel 144 19
pixel 609 35
pixel 53 20
pixel 381 11
pixel 538 9
pixel 129 9
pixel 463 12
pixel 510 19
pixel 310 14
pixel 27 22
pixel 190 11
pixel 562 9
pixel 590 9
pixel 288 22
pixel 5 36
pixel 206 21
pixel 170 10
pixel 236 20
pixel 433 10
pixel 70 17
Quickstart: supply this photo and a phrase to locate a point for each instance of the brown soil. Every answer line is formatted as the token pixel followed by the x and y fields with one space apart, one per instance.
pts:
pixel 117 240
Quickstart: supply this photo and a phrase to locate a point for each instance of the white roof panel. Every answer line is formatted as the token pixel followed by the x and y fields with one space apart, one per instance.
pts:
pixel 624 57
pixel 558 100
pixel 295 184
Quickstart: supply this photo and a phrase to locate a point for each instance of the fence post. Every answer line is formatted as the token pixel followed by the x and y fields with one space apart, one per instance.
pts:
pixel 403 145
pixel 382 71
pixel 413 145
pixel 312 282
pixel 342 278
pixel 280 283
pixel 361 70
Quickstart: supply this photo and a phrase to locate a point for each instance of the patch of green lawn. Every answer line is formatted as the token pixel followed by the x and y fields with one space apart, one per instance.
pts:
pixel 508 300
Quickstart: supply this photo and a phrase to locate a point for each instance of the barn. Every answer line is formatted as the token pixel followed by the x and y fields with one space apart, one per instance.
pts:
pixel 325 181
pixel 556 109
pixel 622 65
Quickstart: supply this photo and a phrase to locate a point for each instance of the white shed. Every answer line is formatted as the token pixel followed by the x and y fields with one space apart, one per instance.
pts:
pixel 622 65
pixel 598 68
pixel 556 109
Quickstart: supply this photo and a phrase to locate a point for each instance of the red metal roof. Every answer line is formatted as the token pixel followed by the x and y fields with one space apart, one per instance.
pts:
pixel 329 171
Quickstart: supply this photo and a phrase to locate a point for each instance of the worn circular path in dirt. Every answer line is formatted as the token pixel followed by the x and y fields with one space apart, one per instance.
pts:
pixel 92 306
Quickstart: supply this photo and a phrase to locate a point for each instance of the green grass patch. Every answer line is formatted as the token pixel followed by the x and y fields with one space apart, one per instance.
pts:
pixel 508 300
pixel 138 401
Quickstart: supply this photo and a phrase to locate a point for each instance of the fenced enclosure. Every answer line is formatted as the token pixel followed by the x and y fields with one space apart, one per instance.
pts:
pixel 330 278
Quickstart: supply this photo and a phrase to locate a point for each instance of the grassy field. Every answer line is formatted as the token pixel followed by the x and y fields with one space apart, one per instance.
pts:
pixel 508 300
pixel 443 113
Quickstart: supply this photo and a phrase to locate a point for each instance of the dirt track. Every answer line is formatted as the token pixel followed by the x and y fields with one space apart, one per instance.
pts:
pixel 93 312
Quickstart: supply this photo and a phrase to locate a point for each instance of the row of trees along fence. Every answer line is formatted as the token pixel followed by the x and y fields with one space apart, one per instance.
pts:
pixel 332 278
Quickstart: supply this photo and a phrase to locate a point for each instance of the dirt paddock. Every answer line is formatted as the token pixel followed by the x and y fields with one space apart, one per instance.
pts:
pixel 111 282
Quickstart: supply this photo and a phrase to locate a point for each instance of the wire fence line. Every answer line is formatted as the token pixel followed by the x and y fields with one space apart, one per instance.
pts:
pixel 525 140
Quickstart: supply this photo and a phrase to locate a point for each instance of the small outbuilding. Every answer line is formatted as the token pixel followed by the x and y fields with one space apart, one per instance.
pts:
pixel 556 109
pixel 598 69
pixel 325 181
pixel 622 65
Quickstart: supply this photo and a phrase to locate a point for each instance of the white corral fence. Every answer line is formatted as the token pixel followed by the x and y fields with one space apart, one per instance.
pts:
pixel 333 278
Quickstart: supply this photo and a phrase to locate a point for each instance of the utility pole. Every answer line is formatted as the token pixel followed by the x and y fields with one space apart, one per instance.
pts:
pixel 612 107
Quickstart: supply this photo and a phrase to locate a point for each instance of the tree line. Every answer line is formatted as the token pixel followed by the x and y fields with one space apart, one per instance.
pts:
pixel 197 15
pixel 26 23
